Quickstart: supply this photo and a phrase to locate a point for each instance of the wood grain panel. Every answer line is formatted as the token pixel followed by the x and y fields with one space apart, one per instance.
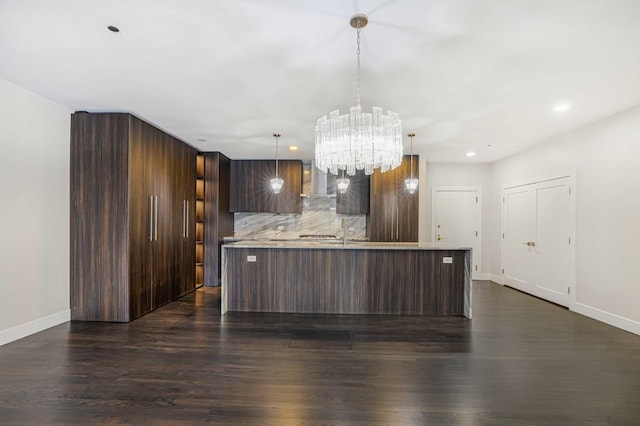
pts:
pixel 253 286
pixel 251 190
pixel 218 219
pixel 99 224
pixel 407 282
pixel 117 163
pixel 393 213
pixel 184 175
pixel 356 199
pixel 141 148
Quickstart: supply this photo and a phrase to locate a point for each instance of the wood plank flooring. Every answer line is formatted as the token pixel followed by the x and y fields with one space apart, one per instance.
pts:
pixel 519 361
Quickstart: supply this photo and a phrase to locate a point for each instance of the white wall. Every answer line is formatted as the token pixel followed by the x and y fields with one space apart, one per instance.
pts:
pixel 606 159
pixel 34 212
pixel 454 174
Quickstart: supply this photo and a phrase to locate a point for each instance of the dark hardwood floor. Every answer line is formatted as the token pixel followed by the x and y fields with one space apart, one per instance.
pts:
pixel 519 361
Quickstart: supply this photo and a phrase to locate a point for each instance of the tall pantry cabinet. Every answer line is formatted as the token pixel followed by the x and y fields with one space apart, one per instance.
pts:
pixel 393 212
pixel 132 217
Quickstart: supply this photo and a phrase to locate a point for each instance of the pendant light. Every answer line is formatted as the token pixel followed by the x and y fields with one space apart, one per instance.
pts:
pixel 358 140
pixel 342 183
pixel 276 182
pixel 412 182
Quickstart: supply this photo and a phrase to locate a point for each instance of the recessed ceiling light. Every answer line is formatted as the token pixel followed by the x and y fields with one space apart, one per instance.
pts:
pixel 293 147
pixel 202 140
pixel 471 154
pixel 561 107
pixel 113 29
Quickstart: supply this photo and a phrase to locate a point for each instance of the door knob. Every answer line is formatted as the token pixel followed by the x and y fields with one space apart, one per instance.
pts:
pixel 439 237
pixel 530 244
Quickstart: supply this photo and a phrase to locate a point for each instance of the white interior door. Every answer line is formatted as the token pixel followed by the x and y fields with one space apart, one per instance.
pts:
pixel 537 255
pixel 553 241
pixel 518 237
pixel 456 219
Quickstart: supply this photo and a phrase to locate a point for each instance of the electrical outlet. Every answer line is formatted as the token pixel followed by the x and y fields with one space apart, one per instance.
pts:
pixel 280 228
pixel 251 258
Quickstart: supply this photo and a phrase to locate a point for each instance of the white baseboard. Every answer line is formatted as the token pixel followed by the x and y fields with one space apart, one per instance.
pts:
pixel 607 317
pixel 23 330
pixel 498 279
pixel 488 277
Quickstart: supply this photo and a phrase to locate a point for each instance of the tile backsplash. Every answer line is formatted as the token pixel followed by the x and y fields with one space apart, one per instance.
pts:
pixel 318 217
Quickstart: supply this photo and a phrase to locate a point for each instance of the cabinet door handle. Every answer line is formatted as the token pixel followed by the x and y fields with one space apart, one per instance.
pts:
pixel 155 215
pixel 184 213
pixel 397 223
pixel 150 217
pixel 187 219
pixel 391 230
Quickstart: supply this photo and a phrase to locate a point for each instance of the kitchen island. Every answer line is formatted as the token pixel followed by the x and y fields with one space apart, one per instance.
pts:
pixel 352 278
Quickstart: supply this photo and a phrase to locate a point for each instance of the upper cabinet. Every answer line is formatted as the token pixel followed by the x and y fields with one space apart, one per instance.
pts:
pixel 251 190
pixel 356 199
pixel 393 214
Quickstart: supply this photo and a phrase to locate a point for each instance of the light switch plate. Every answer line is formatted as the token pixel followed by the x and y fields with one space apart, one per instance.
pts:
pixel 447 259
pixel 251 258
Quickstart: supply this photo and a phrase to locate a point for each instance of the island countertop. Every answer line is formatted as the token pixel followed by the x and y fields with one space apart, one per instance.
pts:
pixel 336 244
pixel 352 278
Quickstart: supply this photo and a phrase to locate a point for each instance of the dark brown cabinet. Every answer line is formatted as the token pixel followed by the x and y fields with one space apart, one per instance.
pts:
pixel 379 280
pixel 356 199
pixel 251 190
pixel 183 172
pixel 393 212
pixel 132 217
pixel 218 221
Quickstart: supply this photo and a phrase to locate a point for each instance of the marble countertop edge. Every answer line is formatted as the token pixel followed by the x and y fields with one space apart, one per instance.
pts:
pixel 352 245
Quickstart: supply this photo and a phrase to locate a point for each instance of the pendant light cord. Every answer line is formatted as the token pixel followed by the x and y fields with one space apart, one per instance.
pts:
pixel 276 135
pixel 411 135
pixel 358 64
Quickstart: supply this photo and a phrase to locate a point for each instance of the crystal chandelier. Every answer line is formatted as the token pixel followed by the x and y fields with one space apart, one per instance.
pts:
pixel 358 140
pixel 276 182
pixel 411 183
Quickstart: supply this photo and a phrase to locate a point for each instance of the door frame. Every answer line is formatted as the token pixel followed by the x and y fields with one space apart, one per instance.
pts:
pixel 479 274
pixel 571 176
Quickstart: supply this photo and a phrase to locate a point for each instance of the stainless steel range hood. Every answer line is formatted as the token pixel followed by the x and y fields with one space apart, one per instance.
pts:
pixel 316 183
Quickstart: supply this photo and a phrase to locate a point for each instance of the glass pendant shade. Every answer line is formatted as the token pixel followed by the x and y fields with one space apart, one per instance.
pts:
pixel 411 183
pixel 358 141
pixel 342 184
pixel 276 184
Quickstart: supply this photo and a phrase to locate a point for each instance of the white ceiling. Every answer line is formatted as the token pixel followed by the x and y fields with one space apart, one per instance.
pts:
pixel 224 75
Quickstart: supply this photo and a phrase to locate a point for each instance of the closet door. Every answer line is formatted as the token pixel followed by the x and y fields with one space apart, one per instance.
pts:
pixel 163 248
pixel 537 248
pixel 184 178
pixel 141 218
